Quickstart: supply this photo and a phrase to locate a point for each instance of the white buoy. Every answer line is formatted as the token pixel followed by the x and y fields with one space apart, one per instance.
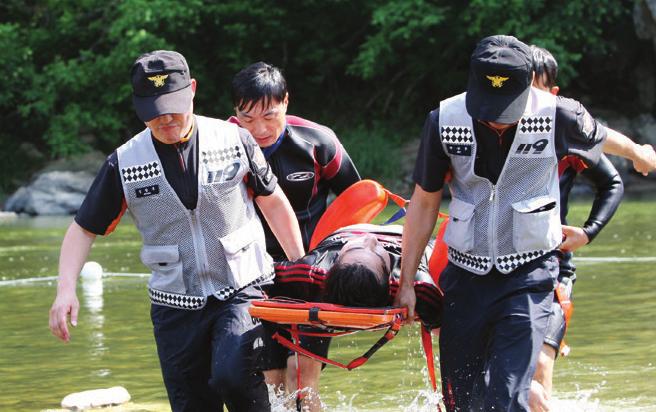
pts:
pixel 91 270
pixel 96 398
pixel 92 285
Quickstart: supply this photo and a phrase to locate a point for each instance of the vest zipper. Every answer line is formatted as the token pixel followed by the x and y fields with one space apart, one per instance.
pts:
pixel 492 242
pixel 201 255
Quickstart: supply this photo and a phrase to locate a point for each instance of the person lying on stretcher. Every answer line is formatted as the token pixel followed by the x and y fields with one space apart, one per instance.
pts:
pixel 356 266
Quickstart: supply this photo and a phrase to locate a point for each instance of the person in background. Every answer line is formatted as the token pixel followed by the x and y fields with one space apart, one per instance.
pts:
pixel 642 156
pixel 309 161
pixel 608 195
pixel 501 140
pixel 188 182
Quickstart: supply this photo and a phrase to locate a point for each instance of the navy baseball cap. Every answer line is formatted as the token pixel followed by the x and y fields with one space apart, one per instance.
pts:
pixel 500 76
pixel 161 84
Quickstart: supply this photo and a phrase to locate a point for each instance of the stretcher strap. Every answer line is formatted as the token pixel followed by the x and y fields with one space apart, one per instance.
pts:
pixel 299 394
pixel 357 362
pixel 427 343
pixel 565 302
pixel 400 202
pixel 439 259
pixel 568 308
pixel 396 216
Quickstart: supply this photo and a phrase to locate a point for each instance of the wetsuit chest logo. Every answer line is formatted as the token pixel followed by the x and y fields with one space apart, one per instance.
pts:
pixel 300 176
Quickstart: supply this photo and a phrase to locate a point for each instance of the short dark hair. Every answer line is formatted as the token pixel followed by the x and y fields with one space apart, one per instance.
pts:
pixel 355 285
pixel 258 82
pixel 545 65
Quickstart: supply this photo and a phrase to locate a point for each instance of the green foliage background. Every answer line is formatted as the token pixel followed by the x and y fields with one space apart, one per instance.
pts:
pixel 371 69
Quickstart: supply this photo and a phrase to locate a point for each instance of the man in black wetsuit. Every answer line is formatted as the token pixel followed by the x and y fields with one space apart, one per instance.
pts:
pixel 307 158
pixel 608 195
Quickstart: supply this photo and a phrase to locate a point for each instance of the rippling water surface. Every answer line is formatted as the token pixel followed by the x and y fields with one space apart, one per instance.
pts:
pixel 612 366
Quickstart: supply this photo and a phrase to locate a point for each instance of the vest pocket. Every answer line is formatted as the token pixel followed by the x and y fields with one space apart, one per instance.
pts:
pixel 246 254
pixel 536 224
pixel 166 267
pixel 460 230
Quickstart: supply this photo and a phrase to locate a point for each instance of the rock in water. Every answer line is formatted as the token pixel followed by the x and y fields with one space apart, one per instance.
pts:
pixel 96 398
pixel 52 193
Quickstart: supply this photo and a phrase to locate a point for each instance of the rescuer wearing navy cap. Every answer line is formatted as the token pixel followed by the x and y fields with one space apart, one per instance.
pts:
pixel 501 140
pixel 189 183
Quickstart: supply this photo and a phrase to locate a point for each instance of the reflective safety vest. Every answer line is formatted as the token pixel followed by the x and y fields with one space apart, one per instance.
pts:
pixel 516 220
pixel 217 248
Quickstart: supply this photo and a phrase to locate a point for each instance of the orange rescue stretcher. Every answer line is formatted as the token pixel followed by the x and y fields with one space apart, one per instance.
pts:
pixel 330 320
pixel 360 203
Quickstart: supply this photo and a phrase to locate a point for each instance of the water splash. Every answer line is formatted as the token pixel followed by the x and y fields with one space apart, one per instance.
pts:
pixel 425 400
pixel 286 402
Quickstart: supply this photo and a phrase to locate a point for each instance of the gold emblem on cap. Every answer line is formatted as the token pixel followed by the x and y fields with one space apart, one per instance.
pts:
pixel 158 81
pixel 497 81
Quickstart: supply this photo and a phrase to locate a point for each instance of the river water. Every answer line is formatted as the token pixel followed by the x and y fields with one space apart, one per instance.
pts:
pixel 612 365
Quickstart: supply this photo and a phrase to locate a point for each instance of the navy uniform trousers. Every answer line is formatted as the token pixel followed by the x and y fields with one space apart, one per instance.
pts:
pixel 208 356
pixel 493 327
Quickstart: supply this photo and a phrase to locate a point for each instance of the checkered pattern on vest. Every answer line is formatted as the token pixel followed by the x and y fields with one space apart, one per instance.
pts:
pixel 141 172
pixel 176 300
pixel 508 263
pixel 221 155
pixel 457 135
pixel 535 124
pixel 469 261
pixel 227 293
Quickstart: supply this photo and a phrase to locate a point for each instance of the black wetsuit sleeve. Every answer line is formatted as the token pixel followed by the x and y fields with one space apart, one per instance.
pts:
pixel 104 203
pixel 260 177
pixel 577 132
pixel 337 168
pixel 432 163
pixel 609 191
pixel 346 175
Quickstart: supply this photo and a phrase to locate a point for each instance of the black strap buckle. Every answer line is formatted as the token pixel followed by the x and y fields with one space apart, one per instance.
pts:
pixel 314 315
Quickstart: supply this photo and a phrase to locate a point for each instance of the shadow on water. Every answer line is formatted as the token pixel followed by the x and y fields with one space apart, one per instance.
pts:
pixel 612 335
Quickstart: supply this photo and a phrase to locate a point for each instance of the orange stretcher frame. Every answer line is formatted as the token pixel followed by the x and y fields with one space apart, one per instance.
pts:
pixel 336 317
pixel 331 321
pixel 326 314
